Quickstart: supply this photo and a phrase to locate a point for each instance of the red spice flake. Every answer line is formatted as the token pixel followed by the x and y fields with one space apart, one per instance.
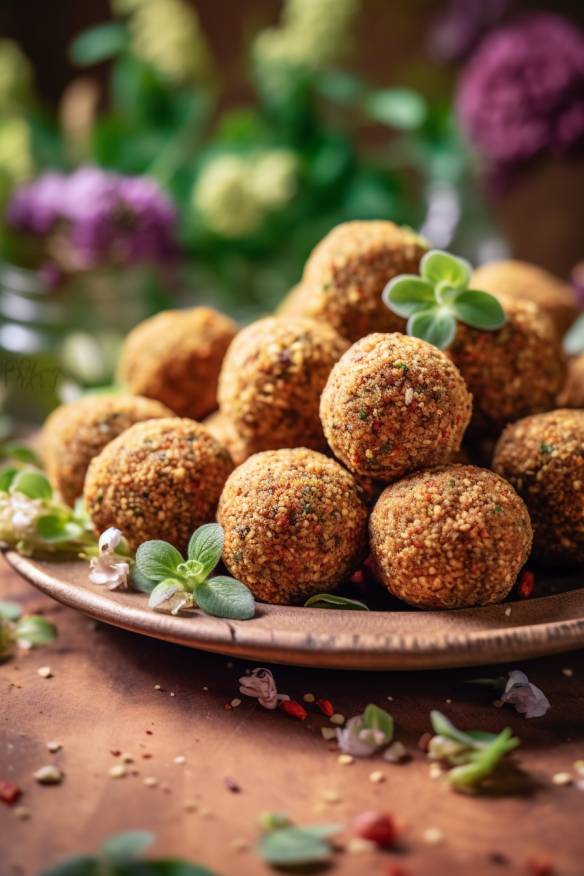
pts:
pixel 326 707
pixel 146 755
pixel 539 867
pixel 424 741
pixel 396 870
pixel 149 733
pixel 115 752
pixel 377 827
pixel 232 785
pixel 9 793
pixel 294 709
pixel 358 578
pixel 526 584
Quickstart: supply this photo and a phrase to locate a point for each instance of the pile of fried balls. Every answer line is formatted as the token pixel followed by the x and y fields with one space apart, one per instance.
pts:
pixel 324 434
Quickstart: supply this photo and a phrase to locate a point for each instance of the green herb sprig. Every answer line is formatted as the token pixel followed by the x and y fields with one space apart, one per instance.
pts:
pixel 27 631
pixel 175 583
pixel 285 845
pixel 433 301
pixel 331 600
pixel 474 755
pixel 121 855
pixel 574 338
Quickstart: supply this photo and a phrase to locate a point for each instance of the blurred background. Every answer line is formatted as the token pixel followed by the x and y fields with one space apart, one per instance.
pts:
pixel 160 153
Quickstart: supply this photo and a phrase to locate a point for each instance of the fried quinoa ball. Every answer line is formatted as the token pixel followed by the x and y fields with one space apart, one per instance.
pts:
pixel 523 281
pixel 158 480
pixel 543 457
pixel 450 537
pixel 176 357
pixel 294 524
pixel 272 379
pixel 347 272
pixel 225 432
pixel 74 433
pixel 572 393
pixel 393 404
pixel 512 372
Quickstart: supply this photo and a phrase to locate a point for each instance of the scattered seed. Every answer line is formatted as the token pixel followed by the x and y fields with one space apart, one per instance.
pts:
pixel 151 781
pixel 157 687
pixel 448 702
pixel 9 793
pixel 22 813
pixel 117 771
pixel 579 767
pixel 45 672
pixel 376 777
pixel 358 846
pixel 435 771
pixel 562 779
pixel 508 611
pixel 326 707
pixel 127 758
pixel 49 775
pixel 395 753
pixel 376 827
pixel 232 785
pixel 568 672
pixel 172 693
pixel 239 844
pixel 54 746
pixel 337 718
pixel 328 733
pixel 433 836
pixel 330 796
pixel 345 759
pixel 189 806
pixel 180 759
pixel 390 699
pixel 235 703
pixel 309 698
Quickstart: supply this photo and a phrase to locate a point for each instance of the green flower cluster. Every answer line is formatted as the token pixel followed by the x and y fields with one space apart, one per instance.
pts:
pixel 167 34
pixel 234 193
pixel 313 33
pixel 15 77
pixel 16 161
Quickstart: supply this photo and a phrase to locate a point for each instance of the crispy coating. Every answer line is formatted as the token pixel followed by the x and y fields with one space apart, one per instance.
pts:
pixel 515 371
pixel 176 357
pixel 272 379
pixel 347 272
pixel 160 479
pixel 394 404
pixel 450 537
pixel 571 394
pixel 74 433
pixel 225 432
pixel 294 524
pixel 523 281
pixel 543 457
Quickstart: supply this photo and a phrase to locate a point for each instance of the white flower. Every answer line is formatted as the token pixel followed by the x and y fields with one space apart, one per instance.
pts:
pixel 18 516
pixel 261 685
pixel 108 569
pixel 358 740
pixel 528 699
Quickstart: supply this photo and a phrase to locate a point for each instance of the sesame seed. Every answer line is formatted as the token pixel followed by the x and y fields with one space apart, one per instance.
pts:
pixel 45 672
pixel 49 775
pixel 376 777
pixel 151 781
pixel 235 703
pixel 330 796
pixel 345 759
pixel 357 846
pixel 117 771
pixel 435 771
pixel 22 813
pixel 309 698
pixel 328 733
pixel 180 759
pixel 562 779
pixel 568 672
pixel 54 746
pixel 337 718
pixel 433 836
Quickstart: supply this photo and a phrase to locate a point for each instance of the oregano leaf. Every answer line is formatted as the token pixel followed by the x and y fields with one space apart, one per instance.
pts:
pixel 10 610
pixel 54 529
pixel 225 597
pixel 296 846
pixel 331 600
pixel 164 591
pixel 407 294
pixel 375 718
pixel 479 310
pixel 126 846
pixel 35 630
pixel 157 560
pixel 435 326
pixel 7 476
pixel 206 546
pixel 574 338
pixel 438 266
pixel 32 484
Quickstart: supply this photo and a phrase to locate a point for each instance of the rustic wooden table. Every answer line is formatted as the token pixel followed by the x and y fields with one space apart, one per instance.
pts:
pixel 103 701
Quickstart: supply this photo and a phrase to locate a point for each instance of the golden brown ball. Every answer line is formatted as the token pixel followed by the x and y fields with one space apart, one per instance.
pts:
pixel 543 457
pixel 272 379
pixel 450 537
pixel 514 371
pixel 176 357
pixel 571 394
pixel 523 281
pixel 294 523
pixel 157 480
pixel 76 432
pixel 221 428
pixel 393 404
pixel 347 272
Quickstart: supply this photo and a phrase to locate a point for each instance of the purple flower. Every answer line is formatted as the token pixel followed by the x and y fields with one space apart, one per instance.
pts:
pixel 93 217
pixel 522 93
pixel 457 29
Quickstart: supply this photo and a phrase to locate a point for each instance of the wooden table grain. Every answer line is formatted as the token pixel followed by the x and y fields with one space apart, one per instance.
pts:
pixel 102 702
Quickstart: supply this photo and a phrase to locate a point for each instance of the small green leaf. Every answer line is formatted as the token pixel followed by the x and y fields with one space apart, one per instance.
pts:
pixel 375 718
pixel 479 310
pixel 164 591
pixel 10 610
pixel 399 108
pixel 54 529
pixel 99 43
pixel 339 86
pixel 435 326
pixel 7 475
pixel 32 484
pixel 408 294
pixel 157 560
pixel 297 846
pixel 225 597
pixel 468 776
pixel 35 630
pixel 330 600
pixel 79 865
pixel 574 338
pixel 20 452
pixel 438 266
pixel 443 727
pixel 126 846
pixel 145 585
pixel 206 547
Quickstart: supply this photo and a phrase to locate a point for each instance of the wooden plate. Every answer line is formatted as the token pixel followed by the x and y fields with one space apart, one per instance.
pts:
pixel 324 638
